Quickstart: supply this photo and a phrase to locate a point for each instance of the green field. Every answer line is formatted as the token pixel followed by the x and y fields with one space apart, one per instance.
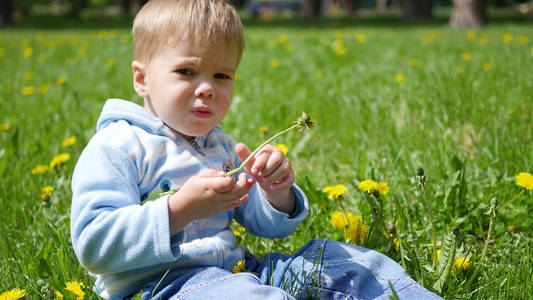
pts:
pixel 387 99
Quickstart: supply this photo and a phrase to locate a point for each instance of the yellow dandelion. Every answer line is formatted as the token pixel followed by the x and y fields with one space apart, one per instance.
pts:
pixel 396 244
pixel 338 34
pixel 69 141
pixel 27 91
pixel 82 52
pixel 59 295
pixel 28 74
pixel 507 38
pixel 40 169
pixel 75 287
pixel 522 39
pixel 61 80
pixel 274 64
pixel 335 191
pixel 5 127
pixel 13 294
pixel 356 233
pixel 340 51
pixel 319 74
pixel 382 188
pixel 283 38
pixel 361 38
pixel 239 230
pixel 471 35
pixel 459 69
pixel 111 63
pixel 487 66
pixel 240 266
pixel 466 56
pixel 238 77
pixel 102 34
pixel 525 180
pixel 367 186
pixel 2 52
pixel 263 129
pixel 43 58
pixel 283 148
pixel 59 160
pixel 399 78
pixel 46 192
pixel 337 220
pixel 531 50
pixel 413 62
pixel 438 254
pixel 28 52
pixel 461 264
pixel 43 89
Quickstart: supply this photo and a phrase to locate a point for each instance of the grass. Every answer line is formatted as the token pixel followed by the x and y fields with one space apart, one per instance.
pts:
pixel 469 128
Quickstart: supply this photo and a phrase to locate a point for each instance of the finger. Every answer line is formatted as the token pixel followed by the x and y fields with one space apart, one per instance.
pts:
pixel 284 183
pixel 243 153
pixel 261 160
pixel 274 162
pixel 221 184
pixel 280 172
pixel 239 202
pixel 210 173
pixel 241 187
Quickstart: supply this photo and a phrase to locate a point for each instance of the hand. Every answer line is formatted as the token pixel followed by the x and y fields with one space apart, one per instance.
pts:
pixel 269 167
pixel 206 195
pixel 273 171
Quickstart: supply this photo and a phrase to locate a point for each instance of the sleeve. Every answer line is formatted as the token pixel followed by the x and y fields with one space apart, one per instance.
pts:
pixel 110 231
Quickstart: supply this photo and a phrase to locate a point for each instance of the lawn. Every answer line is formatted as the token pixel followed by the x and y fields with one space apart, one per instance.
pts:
pixel 388 99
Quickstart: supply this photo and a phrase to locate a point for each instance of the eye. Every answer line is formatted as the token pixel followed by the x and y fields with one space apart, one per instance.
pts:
pixel 222 76
pixel 165 185
pixel 186 72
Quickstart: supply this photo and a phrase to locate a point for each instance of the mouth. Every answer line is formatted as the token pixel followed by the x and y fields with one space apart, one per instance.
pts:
pixel 202 112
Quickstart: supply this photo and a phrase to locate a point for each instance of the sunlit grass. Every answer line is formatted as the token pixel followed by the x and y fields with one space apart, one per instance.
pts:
pixel 386 102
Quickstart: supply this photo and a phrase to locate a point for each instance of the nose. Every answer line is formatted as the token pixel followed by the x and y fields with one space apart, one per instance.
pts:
pixel 204 90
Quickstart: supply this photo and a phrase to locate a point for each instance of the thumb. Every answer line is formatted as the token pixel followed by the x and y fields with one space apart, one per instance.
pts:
pixel 243 152
pixel 210 173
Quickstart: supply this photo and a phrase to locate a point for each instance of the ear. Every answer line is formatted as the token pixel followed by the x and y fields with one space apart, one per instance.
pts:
pixel 139 79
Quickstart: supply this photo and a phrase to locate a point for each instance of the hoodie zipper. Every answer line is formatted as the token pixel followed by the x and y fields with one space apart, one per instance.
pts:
pixel 196 147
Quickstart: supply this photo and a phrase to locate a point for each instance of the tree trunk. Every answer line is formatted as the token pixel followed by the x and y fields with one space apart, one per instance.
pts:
pixel 125 6
pixel 6 13
pixel 351 7
pixel 381 6
pixel 312 8
pixel 417 9
pixel 469 13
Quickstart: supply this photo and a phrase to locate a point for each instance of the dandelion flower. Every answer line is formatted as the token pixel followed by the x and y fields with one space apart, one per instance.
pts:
pixel 319 74
pixel 283 38
pixel 335 191
pixel 111 63
pixel 356 233
pixel 5 127
pixel 263 129
pixel 525 180
pixel 484 40
pixel 367 186
pixel 76 288
pixel 413 62
pixel 274 64
pixel 283 148
pixel 61 80
pixel 466 56
pixel 239 230
pixel 461 264
pixel 361 38
pixel 396 244
pixel 238 77
pixel 27 91
pixel 2 52
pixel 471 35
pixel 28 74
pixel 59 295
pixel 102 34
pixel 240 266
pixel 382 188
pixel 13 294
pixel 340 51
pixel 40 169
pixel 399 78
pixel 59 160
pixel 459 69
pixel 487 66
pixel 337 220
pixel 43 89
pixel 28 52
pixel 507 38
pixel 46 192
pixel 522 39
pixel 69 141
pixel 288 47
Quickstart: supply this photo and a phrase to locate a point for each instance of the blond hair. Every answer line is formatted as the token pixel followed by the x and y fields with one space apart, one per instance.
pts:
pixel 160 23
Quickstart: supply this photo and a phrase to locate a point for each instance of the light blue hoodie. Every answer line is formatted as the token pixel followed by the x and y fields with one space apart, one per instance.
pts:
pixel 124 241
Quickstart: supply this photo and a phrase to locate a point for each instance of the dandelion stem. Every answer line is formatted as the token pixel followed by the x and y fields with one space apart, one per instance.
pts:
pixel 513 199
pixel 422 179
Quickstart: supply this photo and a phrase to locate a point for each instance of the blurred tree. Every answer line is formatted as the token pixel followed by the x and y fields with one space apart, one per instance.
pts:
pixel 469 13
pixel 6 12
pixel 130 7
pixel 351 7
pixel 417 9
pixel 312 8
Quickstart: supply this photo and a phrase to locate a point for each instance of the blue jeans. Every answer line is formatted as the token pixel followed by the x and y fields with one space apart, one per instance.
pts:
pixel 320 270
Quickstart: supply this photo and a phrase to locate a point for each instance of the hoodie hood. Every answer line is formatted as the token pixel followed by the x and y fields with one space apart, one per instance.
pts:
pixel 117 109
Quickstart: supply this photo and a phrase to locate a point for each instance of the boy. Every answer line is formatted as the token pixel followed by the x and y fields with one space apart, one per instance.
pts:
pixel 179 244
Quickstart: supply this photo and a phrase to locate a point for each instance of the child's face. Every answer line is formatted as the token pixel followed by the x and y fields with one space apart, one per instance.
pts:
pixel 190 89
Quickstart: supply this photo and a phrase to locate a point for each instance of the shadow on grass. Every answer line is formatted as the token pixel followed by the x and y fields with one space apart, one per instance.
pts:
pixel 394 20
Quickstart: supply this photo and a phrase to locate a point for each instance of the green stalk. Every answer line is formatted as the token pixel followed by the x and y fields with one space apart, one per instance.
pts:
pixel 422 180
pixel 303 122
pixel 513 199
